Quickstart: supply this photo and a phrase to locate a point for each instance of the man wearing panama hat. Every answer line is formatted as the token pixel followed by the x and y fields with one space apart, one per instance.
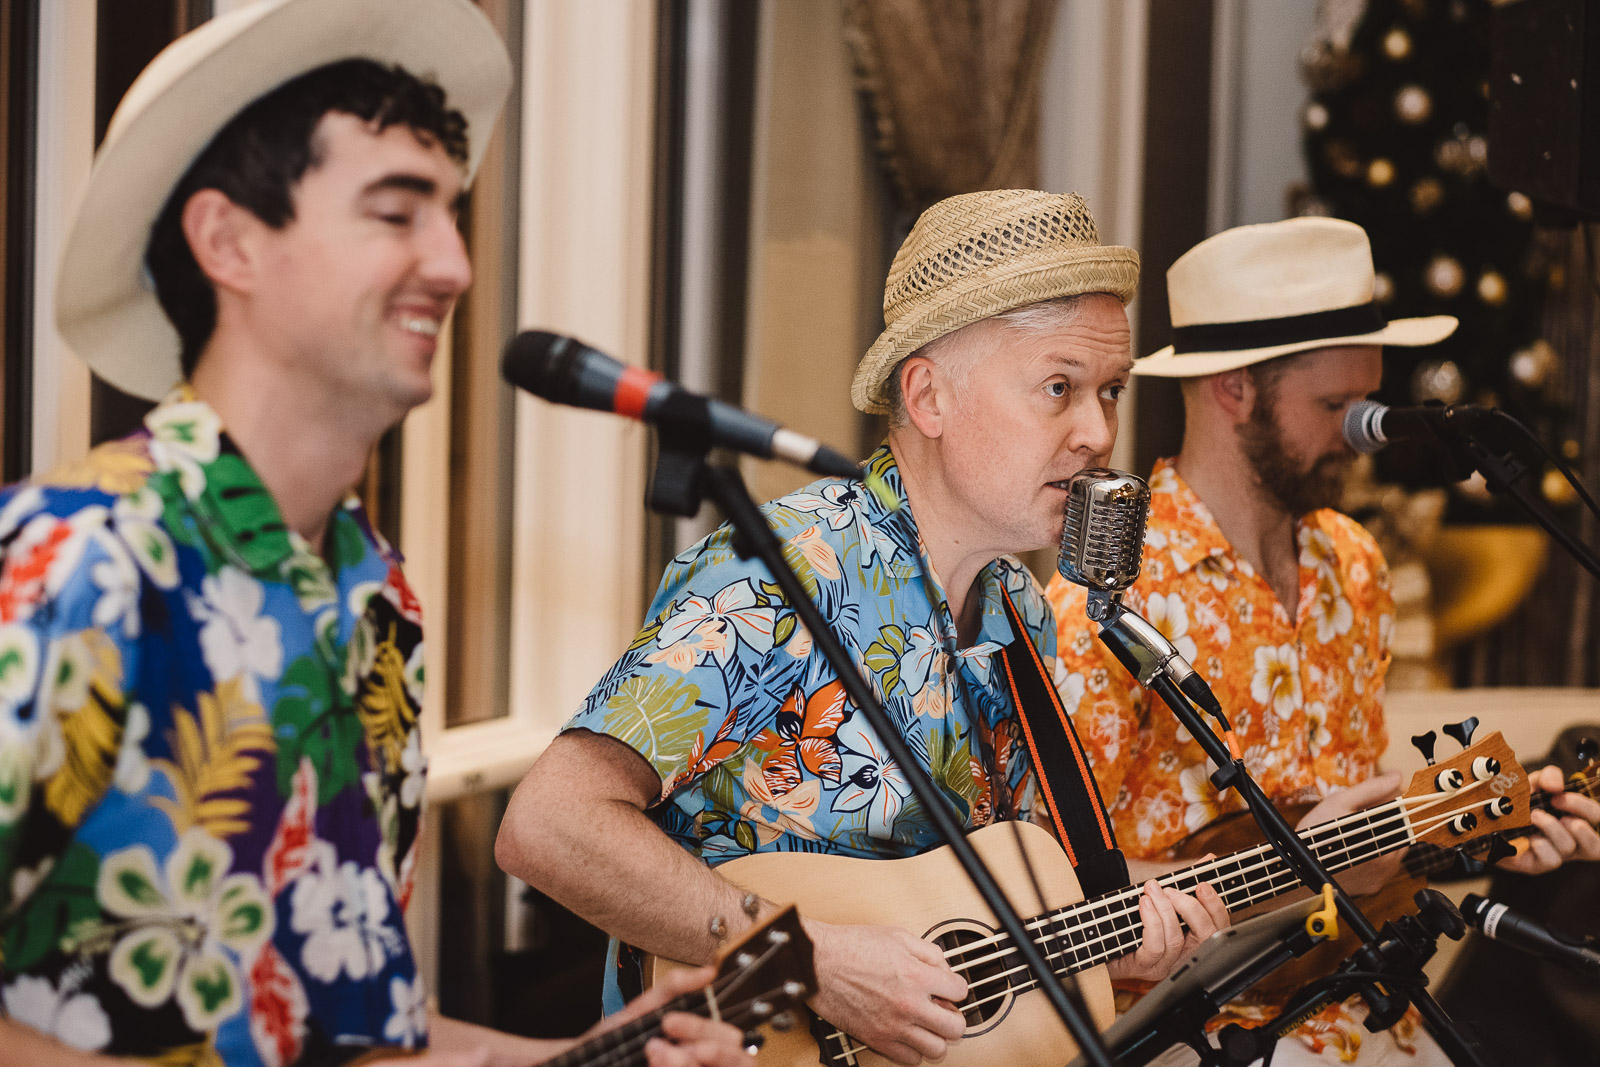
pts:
pixel 210 665
pixel 1282 603
pixel 722 732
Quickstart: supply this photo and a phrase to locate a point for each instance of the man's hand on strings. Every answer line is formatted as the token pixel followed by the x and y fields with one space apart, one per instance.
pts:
pixel 1165 942
pixel 1569 835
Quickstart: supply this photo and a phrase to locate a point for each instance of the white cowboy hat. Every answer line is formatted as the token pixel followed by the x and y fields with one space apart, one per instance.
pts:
pixel 1254 293
pixel 106 306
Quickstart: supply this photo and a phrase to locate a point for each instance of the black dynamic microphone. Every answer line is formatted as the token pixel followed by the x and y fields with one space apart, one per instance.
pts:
pixel 1529 935
pixel 1102 545
pixel 564 370
pixel 1369 425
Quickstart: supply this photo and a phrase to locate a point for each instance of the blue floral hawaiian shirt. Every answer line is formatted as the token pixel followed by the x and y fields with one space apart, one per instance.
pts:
pixel 756 743
pixel 209 762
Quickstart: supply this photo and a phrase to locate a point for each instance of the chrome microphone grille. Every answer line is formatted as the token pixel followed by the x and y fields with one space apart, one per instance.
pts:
pixel 1102 538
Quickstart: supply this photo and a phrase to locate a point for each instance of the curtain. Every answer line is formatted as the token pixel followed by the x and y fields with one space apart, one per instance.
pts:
pixel 953 87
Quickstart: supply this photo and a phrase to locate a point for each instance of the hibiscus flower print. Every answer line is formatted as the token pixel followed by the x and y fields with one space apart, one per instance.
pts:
pixel 872 782
pixel 189 923
pixel 1330 610
pixel 408 1025
pixel 71 1017
pixel 1167 613
pixel 841 506
pixel 344 911
pixel 777 814
pixel 1276 682
pixel 734 611
pixel 185 436
pixel 236 638
pixel 804 736
pixel 1317 733
pixel 1202 804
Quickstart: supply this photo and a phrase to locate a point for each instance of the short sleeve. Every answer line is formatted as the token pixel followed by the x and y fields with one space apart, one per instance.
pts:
pixel 689 690
pixel 69 618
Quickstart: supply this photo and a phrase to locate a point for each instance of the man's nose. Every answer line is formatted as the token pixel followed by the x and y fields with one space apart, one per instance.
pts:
pixel 1095 431
pixel 446 267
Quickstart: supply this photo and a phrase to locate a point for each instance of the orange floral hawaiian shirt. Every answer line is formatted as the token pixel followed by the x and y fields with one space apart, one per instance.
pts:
pixel 1304 692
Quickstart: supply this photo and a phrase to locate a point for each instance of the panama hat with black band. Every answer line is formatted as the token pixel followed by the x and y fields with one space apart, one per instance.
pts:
pixel 106 306
pixel 1255 293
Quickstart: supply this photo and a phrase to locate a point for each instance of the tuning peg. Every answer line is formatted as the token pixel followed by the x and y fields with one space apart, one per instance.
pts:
pixel 1462 731
pixel 1424 745
pixel 1588 749
pixel 754 1039
pixel 784 1021
pixel 1500 849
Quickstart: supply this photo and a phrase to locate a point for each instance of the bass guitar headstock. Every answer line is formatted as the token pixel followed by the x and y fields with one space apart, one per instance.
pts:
pixel 1471 795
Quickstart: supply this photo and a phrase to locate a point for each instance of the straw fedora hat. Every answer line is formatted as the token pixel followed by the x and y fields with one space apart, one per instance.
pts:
pixel 1254 293
pixel 979 254
pixel 106 305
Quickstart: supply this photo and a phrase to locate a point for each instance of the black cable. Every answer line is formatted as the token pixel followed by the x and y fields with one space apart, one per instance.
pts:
pixel 1555 458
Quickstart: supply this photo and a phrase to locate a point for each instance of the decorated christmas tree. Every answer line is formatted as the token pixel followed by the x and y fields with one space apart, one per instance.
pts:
pixel 1395 140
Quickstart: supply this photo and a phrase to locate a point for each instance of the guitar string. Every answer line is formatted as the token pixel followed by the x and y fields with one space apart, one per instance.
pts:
pixel 1117 946
pixel 1334 831
pixel 1323 834
pixel 1439 859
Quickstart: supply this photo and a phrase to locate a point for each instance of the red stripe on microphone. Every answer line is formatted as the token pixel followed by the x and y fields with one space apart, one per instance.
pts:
pixel 633 389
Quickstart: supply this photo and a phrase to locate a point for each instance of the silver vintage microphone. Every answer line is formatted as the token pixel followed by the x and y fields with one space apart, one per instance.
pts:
pixel 1102 542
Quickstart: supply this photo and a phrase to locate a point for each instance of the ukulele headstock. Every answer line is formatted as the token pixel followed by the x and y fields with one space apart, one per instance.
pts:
pixel 766 972
pixel 1470 795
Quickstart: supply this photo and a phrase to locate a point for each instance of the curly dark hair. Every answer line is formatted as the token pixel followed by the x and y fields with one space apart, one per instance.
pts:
pixel 259 156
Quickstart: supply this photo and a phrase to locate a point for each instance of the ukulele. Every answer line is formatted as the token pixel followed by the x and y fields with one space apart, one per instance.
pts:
pixel 1447 804
pixel 763 978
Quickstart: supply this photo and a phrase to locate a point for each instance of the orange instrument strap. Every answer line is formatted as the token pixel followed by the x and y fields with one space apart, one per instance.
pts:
pixel 1065 780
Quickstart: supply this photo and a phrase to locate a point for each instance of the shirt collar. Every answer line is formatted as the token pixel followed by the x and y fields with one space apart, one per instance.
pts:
pixel 1181 527
pixel 220 491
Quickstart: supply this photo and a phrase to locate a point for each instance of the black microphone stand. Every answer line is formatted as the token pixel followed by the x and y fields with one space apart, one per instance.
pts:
pixel 682 477
pixel 1378 954
pixel 1505 473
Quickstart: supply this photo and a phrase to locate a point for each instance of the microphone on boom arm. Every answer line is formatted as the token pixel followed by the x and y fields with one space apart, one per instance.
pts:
pixel 564 370
pixel 1102 542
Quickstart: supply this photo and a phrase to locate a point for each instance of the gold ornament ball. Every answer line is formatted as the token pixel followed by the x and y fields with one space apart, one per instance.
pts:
pixel 1534 365
pixel 1382 288
pixel 1315 116
pixel 1426 195
pixel 1380 172
pixel 1570 450
pixel 1412 104
pixel 1492 289
pixel 1439 380
pixel 1397 44
pixel 1444 276
pixel 1519 206
pixel 1557 490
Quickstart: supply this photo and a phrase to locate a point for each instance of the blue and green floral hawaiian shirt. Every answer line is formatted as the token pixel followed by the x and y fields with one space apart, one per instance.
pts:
pixel 209 762
pixel 757 746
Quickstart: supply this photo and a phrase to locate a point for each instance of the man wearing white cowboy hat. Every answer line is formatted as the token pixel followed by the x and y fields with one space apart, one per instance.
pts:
pixel 1282 603
pixel 210 665
pixel 723 732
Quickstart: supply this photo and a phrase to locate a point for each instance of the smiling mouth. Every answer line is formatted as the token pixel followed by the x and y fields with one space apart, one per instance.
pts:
pixel 423 327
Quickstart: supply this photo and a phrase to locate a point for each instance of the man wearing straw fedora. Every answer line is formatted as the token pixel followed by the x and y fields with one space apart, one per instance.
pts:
pixel 210 665
pixel 722 732
pixel 1282 603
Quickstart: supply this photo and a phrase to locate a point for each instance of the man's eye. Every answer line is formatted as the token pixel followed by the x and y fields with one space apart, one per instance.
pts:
pixel 1113 393
pixel 1056 389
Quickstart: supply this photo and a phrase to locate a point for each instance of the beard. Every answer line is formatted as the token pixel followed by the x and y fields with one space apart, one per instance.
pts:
pixel 1286 480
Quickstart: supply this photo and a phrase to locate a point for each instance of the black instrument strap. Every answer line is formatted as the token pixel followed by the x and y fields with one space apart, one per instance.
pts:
pixel 1065 781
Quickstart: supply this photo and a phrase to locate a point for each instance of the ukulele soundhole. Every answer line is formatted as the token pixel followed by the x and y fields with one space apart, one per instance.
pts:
pixel 972 952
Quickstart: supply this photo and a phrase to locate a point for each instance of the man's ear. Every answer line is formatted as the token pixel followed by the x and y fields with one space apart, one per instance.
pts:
pixel 219 233
pixel 924 399
pixel 1234 391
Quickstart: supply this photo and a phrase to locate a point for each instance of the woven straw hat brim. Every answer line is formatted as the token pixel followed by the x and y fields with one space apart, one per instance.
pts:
pixel 1407 333
pixel 1027 279
pixel 106 307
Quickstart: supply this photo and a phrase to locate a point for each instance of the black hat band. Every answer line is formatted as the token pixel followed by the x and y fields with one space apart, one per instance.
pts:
pixel 1269 333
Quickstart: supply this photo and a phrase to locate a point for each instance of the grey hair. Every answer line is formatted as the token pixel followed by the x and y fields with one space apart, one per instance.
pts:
pixel 957 358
